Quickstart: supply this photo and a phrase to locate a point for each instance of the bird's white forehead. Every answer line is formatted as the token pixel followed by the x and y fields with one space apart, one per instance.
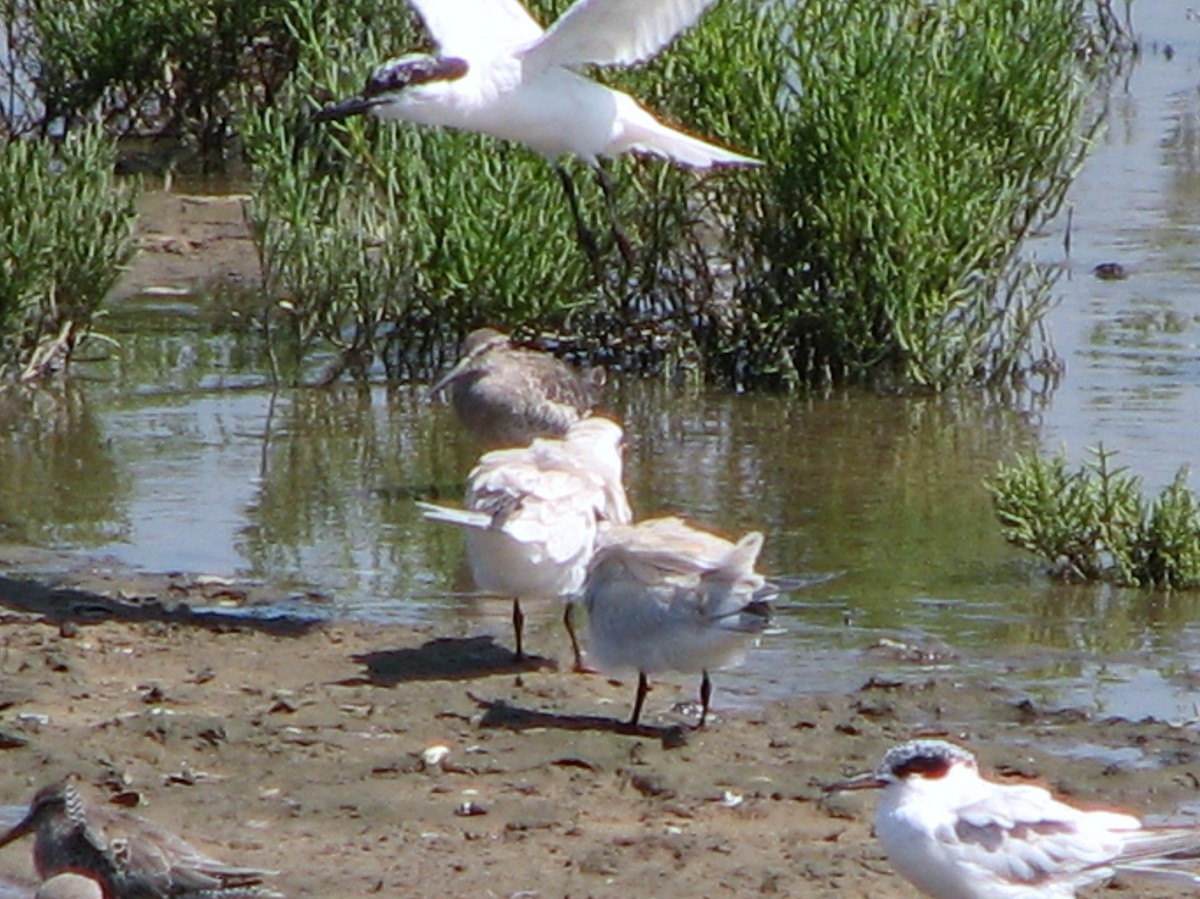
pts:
pixel 402 61
pixel 917 755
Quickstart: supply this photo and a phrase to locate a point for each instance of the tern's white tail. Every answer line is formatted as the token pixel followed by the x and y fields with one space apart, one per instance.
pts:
pixel 463 518
pixel 641 131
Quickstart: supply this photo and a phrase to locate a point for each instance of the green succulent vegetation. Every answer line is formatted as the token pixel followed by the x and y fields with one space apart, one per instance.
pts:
pixel 143 67
pixel 909 148
pixel 66 228
pixel 1094 524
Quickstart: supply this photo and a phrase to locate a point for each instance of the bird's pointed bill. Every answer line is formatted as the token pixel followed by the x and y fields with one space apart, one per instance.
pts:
pixel 868 780
pixel 358 105
pixel 24 826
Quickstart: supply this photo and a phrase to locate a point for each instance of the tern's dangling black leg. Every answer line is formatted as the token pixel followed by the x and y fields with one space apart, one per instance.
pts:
pixel 586 238
pixel 618 233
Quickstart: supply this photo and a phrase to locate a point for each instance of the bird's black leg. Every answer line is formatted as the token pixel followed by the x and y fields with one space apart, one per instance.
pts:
pixel 642 689
pixel 586 238
pixel 610 199
pixel 705 698
pixel 569 623
pixel 518 619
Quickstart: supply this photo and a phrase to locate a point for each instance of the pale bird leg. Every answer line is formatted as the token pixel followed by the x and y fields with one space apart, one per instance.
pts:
pixel 568 622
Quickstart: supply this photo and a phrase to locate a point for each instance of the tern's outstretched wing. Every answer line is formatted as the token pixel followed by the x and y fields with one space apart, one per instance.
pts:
pixel 612 32
pixel 477 29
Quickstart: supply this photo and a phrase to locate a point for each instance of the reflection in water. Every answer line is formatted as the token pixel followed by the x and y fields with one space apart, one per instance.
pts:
pixel 1133 375
pixel 59 480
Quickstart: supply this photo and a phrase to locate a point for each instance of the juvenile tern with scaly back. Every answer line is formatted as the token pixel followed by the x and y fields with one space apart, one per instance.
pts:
pixel 533 515
pixel 499 73
pixel 955 834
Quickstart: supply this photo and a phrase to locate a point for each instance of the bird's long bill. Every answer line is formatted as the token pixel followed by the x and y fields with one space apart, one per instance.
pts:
pixel 868 780
pixel 448 377
pixel 23 827
pixel 357 105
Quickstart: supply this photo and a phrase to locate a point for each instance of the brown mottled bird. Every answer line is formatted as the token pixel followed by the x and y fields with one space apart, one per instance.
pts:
pixel 128 856
pixel 506 396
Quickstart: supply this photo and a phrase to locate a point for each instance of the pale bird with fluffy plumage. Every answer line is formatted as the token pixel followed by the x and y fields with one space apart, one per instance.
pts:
pixel 533 514
pixel 662 595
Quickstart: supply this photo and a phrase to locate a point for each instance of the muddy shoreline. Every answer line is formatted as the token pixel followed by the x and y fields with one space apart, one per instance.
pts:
pixel 300 746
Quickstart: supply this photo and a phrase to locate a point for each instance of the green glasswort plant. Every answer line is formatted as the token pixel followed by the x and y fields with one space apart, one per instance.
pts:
pixel 66 228
pixel 909 148
pixel 1094 524
pixel 144 67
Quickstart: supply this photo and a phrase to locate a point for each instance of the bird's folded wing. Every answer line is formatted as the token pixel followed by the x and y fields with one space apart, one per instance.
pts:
pixel 1024 834
pixel 611 32
pixel 1182 842
pixel 477 29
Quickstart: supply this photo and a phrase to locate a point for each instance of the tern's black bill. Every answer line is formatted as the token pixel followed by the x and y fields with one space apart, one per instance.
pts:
pixel 868 781
pixel 22 828
pixel 343 110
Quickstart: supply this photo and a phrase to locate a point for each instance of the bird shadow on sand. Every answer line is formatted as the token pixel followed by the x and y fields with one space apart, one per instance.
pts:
pixel 62 605
pixel 444 658
pixel 500 714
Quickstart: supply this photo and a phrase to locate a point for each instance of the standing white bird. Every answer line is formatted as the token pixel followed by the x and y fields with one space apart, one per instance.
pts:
pixel 662 595
pixel 506 396
pixel 533 514
pixel 955 834
pixel 499 73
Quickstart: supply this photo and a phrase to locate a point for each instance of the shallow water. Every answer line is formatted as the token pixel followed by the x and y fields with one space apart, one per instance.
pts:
pixel 177 457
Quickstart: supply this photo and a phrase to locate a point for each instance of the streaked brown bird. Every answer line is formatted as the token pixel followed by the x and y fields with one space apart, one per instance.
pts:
pixel 130 857
pixel 506 396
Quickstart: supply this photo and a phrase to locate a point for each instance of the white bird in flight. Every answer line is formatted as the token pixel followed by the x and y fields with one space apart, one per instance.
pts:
pixel 662 595
pixel 955 834
pixel 498 72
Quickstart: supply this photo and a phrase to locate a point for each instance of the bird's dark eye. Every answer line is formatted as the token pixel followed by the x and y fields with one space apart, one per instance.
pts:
pixel 931 767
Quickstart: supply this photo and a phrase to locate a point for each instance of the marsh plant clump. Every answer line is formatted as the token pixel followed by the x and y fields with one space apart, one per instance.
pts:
pixel 144 68
pixel 909 147
pixel 66 228
pixel 1094 523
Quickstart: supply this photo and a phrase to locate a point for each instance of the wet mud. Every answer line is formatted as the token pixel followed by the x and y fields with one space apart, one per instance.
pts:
pixel 362 760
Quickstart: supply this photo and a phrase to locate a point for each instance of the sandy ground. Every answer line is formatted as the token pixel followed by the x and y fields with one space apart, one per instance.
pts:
pixel 299 746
